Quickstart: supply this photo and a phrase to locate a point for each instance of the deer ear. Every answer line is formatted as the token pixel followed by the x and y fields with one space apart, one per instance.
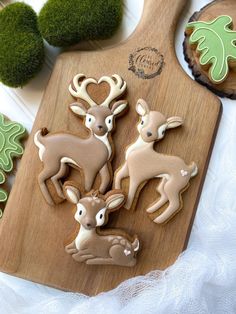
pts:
pixel 72 194
pixel 119 106
pixel 174 122
pixel 115 201
pixel 142 107
pixel 78 109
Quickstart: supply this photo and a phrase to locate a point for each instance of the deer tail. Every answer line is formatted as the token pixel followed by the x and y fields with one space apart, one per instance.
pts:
pixel 39 140
pixel 193 169
pixel 136 244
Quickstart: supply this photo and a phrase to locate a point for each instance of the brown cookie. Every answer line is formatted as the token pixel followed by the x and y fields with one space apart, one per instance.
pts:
pixel 143 163
pixel 59 152
pixel 92 245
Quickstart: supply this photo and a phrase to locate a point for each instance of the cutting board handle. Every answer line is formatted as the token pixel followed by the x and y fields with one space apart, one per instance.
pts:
pixel 159 19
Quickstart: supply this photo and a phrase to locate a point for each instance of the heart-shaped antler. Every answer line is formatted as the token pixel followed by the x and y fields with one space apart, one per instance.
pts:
pixel 117 88
pixel 78 88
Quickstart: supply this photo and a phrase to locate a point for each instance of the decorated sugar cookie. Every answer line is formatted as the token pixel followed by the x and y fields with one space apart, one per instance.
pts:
pixel 11 134
pixel 93 246
pixel 215 41
pixel 3 193
pixel 92 155
pixel 143 163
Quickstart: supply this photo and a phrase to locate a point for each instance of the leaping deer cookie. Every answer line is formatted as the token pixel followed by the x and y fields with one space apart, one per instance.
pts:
pixel 143 163
pixel 91 245
pixel 92 155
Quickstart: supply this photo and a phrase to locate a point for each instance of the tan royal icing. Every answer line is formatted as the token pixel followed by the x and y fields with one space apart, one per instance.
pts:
pixel 143 163
pixel 92 155
pixel 91 245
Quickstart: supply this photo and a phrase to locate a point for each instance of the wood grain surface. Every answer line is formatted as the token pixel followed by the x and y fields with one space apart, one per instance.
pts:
pixel 32 233
pixel 209 13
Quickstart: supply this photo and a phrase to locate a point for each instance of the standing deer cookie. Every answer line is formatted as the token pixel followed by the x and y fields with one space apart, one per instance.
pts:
pixel 93 246
pixel 92 155
pixel 143 163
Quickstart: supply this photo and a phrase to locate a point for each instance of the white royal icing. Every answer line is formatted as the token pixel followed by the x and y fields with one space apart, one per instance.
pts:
pixel 39 145
pixel 138 144
pixel 67 160
pixel 105 140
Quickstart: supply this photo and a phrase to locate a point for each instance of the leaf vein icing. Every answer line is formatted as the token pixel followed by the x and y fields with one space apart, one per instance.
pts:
pixel 215 43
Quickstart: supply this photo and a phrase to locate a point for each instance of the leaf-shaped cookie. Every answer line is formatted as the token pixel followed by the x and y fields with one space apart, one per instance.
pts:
pixel 10 135
pixel 215 41
pixel 3 194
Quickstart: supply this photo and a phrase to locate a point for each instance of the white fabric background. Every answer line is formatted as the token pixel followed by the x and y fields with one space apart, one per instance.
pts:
pixel 203 280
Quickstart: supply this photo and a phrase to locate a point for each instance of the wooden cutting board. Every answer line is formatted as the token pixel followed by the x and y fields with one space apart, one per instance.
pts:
pixel 32 233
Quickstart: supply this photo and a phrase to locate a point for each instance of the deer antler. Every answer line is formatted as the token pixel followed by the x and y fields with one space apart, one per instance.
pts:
pixel 78 88
pixel 117 88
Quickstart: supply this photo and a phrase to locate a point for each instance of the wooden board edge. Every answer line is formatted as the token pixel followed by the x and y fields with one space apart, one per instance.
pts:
pixel 204 174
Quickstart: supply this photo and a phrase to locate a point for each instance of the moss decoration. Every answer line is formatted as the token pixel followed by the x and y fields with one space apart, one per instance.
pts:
pixel 63 23
pixel 21 45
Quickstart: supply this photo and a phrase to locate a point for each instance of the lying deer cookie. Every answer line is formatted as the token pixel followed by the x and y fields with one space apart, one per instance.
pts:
pixel 93 246
pixel 92 155
pixel 143 163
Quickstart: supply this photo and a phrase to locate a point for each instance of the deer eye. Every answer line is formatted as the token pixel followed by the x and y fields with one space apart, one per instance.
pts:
pixel 100 217
pixel 89 119
pixel 108 122
pixel 81 211
pixel 142 122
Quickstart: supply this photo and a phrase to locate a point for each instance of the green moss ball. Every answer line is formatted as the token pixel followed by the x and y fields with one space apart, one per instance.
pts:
pixel 21 45
pixel 63 23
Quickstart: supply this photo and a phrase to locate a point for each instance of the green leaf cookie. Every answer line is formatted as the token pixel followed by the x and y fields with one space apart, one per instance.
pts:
pixel 10 135
pixel 3 194
pixel 216 44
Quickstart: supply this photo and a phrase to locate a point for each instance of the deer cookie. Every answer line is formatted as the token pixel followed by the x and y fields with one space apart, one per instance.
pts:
pixel 143 163
pixel 93 246
pixel 92 155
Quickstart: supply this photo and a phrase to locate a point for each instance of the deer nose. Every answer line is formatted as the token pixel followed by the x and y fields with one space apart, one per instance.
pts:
pixel 149 134
pixel 88 225
pixel 100 127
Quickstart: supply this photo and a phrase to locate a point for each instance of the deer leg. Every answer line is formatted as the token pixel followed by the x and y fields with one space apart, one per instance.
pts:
pixel 173 194
pixel 133 187
pixel 82 255
pixel 71 248
pixel 162 200
pixel 43 177
pixel 55 179
pixel 89 180
pixel 117 257
pixel 82 258
pixel 105 178
pixel 122 173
